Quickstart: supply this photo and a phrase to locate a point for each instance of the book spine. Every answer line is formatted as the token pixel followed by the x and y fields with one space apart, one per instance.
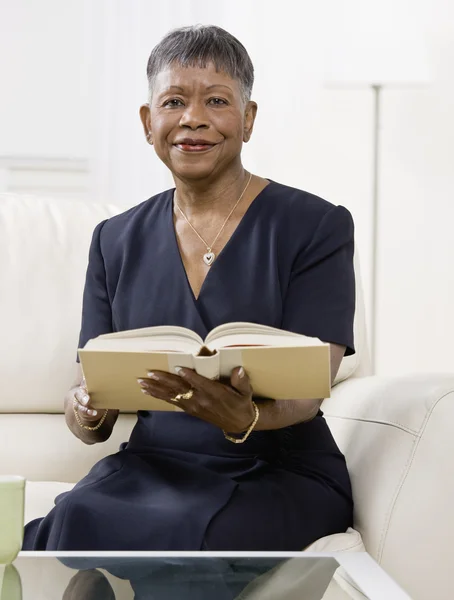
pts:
pixel 207 366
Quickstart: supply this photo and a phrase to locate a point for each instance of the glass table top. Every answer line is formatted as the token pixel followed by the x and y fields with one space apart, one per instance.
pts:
pixel 195 576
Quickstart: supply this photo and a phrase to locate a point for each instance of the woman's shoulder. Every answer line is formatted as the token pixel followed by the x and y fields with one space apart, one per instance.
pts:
pixel 127 222
pixel 296 199
pixel 155 204
pixel 301 209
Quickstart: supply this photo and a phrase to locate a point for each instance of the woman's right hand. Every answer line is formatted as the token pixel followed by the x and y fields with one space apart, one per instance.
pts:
pixel 88 415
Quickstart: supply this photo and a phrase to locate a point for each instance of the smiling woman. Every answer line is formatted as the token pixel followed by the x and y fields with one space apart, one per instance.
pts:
pixel 223 245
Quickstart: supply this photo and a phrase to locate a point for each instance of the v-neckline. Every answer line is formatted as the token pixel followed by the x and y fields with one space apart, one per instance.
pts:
pixel 225 247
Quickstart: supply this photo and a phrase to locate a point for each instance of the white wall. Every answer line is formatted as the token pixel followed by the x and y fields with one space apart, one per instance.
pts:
pixel 416 259
pixel 47 97
pixel 45 89
pixel 72 77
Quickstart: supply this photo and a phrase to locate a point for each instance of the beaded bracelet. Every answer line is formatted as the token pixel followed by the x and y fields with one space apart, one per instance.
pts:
pixel 88 428
pixel 248 432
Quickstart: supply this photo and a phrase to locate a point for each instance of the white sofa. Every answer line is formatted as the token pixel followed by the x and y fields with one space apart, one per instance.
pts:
pixel 395 432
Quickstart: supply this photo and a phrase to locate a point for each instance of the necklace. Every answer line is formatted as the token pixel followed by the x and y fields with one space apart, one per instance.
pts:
pixel 209 256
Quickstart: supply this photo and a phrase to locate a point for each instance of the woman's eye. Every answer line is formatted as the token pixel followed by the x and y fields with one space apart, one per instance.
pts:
pixel 217 101
pixel 173 103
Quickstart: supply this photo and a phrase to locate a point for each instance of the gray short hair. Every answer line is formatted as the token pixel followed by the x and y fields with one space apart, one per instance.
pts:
pixel 199 45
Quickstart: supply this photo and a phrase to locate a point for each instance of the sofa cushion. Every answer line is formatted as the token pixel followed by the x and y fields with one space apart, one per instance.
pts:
pixel 350 541
pixel 40 496
pixel 41 447
pixel 43 259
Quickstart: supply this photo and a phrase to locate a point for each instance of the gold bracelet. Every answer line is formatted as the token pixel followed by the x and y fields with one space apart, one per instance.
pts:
pixel 248 432
pixel 79 422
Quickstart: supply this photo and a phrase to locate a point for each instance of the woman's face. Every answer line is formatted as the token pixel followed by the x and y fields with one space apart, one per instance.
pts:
pixel 198 121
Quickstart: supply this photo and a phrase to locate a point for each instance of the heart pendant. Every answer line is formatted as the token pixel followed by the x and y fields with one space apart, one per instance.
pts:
pixel 208 258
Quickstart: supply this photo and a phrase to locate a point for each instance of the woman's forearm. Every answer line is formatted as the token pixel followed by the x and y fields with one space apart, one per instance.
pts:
pixel 276 414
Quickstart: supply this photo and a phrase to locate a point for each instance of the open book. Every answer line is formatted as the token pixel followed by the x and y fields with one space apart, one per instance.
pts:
pixel 281 364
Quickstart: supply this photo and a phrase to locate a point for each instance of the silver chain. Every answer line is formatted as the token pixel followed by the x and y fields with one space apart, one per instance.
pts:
pixel 223 225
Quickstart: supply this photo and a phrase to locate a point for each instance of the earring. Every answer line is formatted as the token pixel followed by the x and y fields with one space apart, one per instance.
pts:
pixel 150 141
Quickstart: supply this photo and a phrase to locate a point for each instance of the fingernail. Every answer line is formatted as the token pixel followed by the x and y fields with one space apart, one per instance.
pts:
pixel 241 372
pixel 85 399
pixel 93 413
pixel 141 381
pixel 143 391
pixel 179 371
pixel 152 375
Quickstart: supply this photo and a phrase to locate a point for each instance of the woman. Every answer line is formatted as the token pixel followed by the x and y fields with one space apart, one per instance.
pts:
pixel 223 246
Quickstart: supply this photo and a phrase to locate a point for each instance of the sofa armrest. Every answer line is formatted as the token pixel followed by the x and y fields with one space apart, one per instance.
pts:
pixel 397 434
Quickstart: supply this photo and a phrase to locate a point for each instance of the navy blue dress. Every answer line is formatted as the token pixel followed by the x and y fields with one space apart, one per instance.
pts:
pixel 178 484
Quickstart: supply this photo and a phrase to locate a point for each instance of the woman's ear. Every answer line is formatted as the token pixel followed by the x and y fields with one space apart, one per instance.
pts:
pixel 249 119
pixel 145 117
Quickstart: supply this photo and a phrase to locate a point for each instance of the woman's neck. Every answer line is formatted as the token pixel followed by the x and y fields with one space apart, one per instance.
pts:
pixel 194 197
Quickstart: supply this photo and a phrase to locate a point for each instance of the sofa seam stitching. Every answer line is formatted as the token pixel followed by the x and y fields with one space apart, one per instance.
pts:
pixel 353 545
pixel 359 544
pixel 376 421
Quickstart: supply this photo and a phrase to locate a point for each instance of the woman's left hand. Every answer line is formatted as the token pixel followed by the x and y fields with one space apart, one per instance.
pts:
pixel 226 406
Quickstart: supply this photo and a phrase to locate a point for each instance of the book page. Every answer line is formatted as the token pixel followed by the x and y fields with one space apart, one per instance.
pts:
pixel 252 334
pixel 148 339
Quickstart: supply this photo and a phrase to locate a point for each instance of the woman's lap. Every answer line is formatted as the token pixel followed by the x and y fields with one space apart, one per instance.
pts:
pixel 277 511
pixel 156 500
pixel 283 512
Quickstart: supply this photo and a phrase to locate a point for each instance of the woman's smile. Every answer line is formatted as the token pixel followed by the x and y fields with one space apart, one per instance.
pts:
pixel 192 145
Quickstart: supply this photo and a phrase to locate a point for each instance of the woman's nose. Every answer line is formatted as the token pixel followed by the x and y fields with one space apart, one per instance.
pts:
pixel 194 116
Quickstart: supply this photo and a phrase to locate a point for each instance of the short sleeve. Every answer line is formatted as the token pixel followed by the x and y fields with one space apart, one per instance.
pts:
pixel 320 299
pixel 96 308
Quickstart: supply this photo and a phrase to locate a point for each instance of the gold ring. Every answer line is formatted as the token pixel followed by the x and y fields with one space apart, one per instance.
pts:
pixel 186 396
